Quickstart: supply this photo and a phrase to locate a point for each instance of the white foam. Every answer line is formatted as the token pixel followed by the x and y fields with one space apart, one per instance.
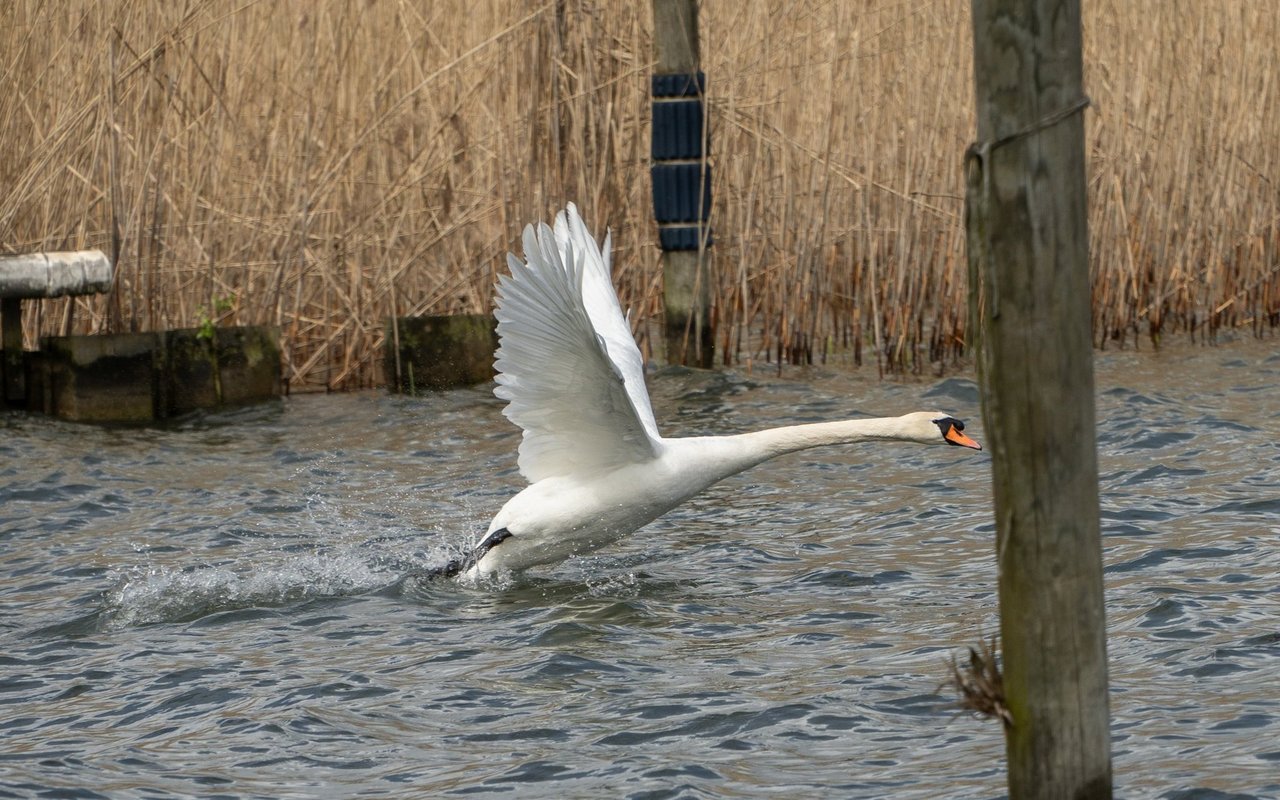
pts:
pixel 146 596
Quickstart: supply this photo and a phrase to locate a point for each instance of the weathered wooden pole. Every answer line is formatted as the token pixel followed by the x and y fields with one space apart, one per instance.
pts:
pixel 681 182
pixel 14 388
pixel 1029 279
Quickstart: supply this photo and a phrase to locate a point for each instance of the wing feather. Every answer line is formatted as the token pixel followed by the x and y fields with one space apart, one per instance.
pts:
pixel 567 364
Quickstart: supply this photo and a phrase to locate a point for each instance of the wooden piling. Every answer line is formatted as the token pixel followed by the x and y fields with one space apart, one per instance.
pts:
pixel 686 287
pixel 11 372
pixel 1029 278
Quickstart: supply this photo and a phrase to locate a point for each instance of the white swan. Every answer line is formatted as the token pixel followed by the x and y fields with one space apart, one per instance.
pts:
pixel 573 380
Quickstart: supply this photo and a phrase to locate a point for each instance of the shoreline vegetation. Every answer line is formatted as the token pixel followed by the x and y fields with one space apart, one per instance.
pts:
pixel 321 165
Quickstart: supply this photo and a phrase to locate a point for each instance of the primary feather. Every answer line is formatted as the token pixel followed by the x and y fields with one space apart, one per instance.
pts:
pixel 567 365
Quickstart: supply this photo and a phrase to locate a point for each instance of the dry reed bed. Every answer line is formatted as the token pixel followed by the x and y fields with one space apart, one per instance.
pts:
pixel 323 164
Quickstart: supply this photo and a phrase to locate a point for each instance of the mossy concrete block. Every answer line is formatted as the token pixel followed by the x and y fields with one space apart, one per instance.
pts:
pixel 142 377
pixel 439 352
pixel 191 380
pixel 248 364
pixel 233 366
pixel 99 378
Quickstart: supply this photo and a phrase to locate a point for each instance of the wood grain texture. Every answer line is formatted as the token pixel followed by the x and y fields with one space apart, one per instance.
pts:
pixel 1028 258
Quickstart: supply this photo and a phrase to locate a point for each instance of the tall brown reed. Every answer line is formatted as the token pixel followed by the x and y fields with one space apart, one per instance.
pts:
pixel 322 164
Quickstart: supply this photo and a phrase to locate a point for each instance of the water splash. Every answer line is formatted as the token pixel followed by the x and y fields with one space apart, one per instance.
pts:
pixel 152 595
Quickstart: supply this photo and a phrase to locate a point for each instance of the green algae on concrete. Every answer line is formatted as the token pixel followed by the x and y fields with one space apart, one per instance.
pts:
pixel 231 367
pixel 439 352
pixel 142 377
pixel 249 360
pixel 96 378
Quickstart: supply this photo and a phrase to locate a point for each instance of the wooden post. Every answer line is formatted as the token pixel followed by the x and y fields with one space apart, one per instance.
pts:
pixel 679 139
pixel 1029 279
pixel 15 388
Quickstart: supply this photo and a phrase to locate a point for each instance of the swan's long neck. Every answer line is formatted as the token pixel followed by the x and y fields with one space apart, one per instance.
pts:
pixel 780 441
pixel 727 455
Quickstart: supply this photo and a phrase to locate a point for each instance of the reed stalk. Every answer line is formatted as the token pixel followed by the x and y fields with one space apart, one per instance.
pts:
pixel 324 164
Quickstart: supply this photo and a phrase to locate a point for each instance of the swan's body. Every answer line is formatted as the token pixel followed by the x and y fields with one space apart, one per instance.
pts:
pixel 574 381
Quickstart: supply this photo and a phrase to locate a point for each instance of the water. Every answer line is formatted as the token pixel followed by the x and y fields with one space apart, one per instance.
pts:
pixel 227 608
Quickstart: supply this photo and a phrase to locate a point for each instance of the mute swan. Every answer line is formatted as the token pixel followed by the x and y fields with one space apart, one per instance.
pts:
pixel 573 380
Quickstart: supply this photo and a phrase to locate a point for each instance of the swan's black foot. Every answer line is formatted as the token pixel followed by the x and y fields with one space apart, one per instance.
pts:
pixel 459 565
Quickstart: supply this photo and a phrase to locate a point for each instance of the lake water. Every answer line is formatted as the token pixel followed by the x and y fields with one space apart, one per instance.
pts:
pixel 226 608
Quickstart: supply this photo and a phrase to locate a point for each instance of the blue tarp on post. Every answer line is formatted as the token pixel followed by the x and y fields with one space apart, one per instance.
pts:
pixel 681 178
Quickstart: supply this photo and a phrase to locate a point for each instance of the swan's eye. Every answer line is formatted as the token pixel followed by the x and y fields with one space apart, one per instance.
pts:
pixel 946 424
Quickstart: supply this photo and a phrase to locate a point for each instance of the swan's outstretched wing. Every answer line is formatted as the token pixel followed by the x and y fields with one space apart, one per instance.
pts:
pixel 567 365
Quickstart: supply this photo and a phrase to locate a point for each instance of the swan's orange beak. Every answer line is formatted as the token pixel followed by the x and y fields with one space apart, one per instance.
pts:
pixel 956 436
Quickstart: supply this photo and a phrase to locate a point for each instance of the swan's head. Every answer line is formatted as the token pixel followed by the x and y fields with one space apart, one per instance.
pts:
pixel 935 427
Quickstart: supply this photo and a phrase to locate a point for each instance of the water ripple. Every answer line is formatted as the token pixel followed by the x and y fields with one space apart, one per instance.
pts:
pixel 229 608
